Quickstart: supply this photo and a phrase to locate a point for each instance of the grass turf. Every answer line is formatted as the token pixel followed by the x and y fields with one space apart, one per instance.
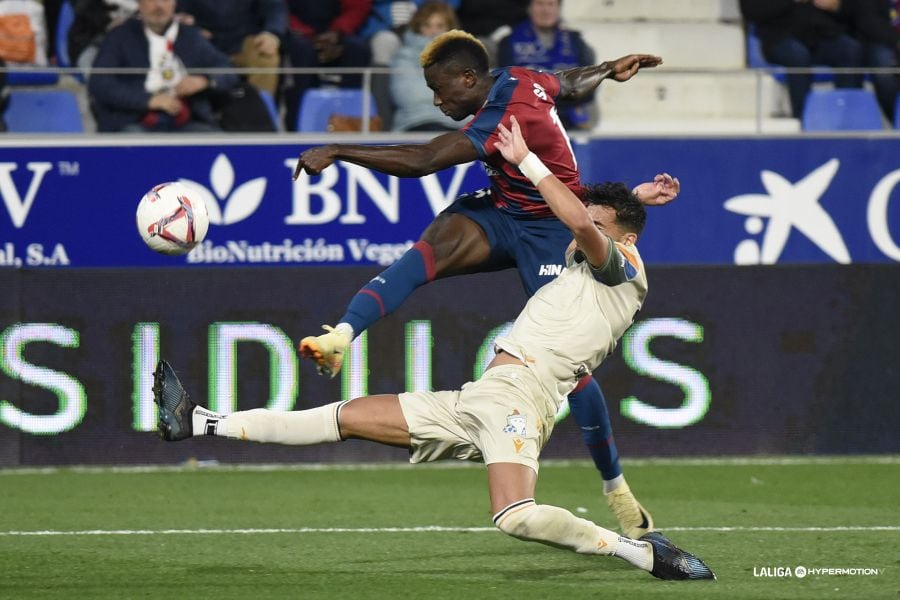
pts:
pixel 683 496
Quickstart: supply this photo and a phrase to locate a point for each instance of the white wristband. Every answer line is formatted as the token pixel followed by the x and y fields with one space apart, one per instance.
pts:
pixel 532 168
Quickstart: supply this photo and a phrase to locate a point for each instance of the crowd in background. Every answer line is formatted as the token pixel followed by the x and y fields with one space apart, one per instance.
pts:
pixel 170 40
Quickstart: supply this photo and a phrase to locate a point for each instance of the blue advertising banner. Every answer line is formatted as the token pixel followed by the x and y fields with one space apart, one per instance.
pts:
pixel 743 201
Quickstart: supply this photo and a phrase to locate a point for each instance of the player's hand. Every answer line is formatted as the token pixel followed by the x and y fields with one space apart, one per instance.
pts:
pixel 315 160
pixel 663 189
pixel 512 145
pixel 626 67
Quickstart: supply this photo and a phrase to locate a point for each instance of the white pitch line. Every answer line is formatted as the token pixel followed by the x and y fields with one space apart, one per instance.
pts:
pixel 425 529
pixel 193 466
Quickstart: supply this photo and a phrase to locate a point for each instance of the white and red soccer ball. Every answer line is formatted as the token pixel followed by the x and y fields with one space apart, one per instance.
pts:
pixel 172 218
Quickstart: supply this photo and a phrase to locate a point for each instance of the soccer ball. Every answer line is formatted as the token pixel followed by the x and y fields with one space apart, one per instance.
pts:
pixel 172 218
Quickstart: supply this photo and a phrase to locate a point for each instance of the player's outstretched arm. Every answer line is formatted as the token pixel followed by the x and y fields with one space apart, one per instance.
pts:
pixel 400 160
pixel 580 81
pixel 564 204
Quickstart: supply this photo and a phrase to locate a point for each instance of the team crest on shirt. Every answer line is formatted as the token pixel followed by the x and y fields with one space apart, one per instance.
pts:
pixel 515 423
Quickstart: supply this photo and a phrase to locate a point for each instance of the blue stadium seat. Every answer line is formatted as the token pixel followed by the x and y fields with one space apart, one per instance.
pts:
pixel 43 111
pixel 273 109
pixel 320 103
pixel 841 110
pixel 23 78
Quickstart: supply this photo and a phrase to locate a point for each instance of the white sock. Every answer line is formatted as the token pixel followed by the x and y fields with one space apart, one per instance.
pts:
pixel 206 422
pixel 345 328
pixel 639 554
pixel 558 527
pixel 297 428
pixel 610 485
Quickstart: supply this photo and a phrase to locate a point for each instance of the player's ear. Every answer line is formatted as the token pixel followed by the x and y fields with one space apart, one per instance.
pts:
pixel 470 78
pixel 630 239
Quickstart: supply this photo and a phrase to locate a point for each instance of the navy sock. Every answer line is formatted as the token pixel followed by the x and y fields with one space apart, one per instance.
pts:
pixel 390 288
pixel 588 407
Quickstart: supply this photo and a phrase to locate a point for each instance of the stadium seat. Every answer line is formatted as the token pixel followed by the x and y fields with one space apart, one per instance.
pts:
pixel 23 78
pixel 272 108
pixel 320 103
pixel 841 109
pixel 43 111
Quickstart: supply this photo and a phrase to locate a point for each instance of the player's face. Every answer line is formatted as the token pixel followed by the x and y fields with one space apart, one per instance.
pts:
pixel 452 91
pixel 604 218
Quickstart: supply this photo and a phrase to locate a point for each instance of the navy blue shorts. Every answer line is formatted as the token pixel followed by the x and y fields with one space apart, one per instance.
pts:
pixel 536 247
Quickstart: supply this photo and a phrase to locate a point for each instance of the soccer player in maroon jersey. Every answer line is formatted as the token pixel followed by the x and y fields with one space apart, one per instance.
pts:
pixel 506 225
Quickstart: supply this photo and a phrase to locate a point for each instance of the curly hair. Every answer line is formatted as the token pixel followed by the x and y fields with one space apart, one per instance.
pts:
pixel 630 213
pixel 456 46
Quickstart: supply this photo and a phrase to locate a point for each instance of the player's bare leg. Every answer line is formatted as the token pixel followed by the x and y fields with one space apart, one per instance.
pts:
pixel 453 244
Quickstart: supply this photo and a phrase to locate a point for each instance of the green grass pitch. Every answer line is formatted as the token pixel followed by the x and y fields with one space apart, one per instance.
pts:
pixel 270 533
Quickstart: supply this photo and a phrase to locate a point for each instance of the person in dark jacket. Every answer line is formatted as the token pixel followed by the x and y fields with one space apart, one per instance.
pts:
pixel 871 22
pixel 324 33
pixel 803 33
pixel 167 97
pixel 249 31
pixel 541 42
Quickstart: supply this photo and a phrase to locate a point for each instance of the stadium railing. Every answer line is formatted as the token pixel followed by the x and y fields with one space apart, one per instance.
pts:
pixel 760 114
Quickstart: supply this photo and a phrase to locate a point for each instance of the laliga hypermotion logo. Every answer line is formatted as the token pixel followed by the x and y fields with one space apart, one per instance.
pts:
pixel 788 206
pixel 239 203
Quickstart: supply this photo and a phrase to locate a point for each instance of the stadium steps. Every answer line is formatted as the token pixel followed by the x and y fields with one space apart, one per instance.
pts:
pixel 576 12
pixel 657 95
pixel 711 45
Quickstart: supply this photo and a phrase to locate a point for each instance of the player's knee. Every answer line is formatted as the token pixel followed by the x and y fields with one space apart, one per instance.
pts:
pixel 517 519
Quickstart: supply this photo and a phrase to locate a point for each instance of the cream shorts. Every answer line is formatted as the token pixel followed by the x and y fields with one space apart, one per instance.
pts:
pixel 502 417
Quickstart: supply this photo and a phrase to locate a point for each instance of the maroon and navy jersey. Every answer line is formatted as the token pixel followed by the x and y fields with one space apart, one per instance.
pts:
pixel 529 95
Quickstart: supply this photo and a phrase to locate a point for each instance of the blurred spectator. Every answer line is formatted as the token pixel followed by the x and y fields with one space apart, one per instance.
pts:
pixel 165 98
pixel 383 29
pixel 93 18
pixel 413 100
pixel 51 18
pixel 491 20
pixel 387 23
pixel 23 32
pixel 324 33
pixel 540 42
pixel 249 31
pixel 871 23
pixel 803 33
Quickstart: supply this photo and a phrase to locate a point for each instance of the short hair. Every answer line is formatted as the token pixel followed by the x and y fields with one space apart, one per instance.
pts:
pixel 456 46
pixel 631 215
pixel 428 10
